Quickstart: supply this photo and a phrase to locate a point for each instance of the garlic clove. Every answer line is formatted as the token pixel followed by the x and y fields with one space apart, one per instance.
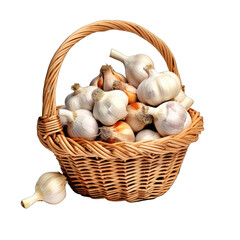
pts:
pixel 50 188
pixel 137 118
pixel 147 134
pixel 119 132
pixel 134 65
pixel 109 107
pixel 80 124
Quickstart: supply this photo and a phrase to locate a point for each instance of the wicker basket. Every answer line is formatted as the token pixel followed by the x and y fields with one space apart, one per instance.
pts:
pixel 118 171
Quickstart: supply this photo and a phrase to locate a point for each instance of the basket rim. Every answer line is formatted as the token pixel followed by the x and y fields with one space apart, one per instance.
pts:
pixel 195 129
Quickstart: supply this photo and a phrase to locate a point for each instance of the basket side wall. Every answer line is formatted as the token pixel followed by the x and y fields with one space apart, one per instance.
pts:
pixel 144 177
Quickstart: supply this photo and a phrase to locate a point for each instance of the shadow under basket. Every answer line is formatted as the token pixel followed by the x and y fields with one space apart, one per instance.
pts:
pixel 117 171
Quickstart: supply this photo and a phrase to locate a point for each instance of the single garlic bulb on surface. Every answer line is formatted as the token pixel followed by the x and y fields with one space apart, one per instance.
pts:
pixel 136 118
pixel 109 107
pixel 134 65
pixel 81 98
pixel 169 118
pixel 147 134
pixel 106 78
pixel 129 90
pixel 80 124
pixel 119 132
pixel 49 188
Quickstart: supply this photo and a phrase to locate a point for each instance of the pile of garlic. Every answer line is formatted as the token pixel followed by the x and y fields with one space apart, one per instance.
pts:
pixel 144 105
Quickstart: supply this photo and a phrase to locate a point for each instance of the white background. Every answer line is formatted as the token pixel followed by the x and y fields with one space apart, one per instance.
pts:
pixel 204 37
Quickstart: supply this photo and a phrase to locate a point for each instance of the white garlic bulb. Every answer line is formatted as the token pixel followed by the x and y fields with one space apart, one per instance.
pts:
pixel 49 188
pixel 63 119
pixel 169 118
pixel 147 134
pixel 80 124
pixel 81 98
pixel 106 78
pixel 109 107
pixel 136 118
pixel 134 65
pixel 129 90
pixel 119 132
pixel 161 87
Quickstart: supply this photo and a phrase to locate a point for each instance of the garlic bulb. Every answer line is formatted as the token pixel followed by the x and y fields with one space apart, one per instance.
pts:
pixel 129 90
pixel 161 87
pixel 136 118
pixel 134 65
pixel 169 118
pixel 80 124
pixel 49 188
pixel 119 132
pixel 106 78
pixel 81 98
pixel 147 134
pixel 63 119
pixel 109 107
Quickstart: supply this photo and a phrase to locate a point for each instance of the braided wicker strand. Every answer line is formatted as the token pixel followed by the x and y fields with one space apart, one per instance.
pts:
pixel 118 171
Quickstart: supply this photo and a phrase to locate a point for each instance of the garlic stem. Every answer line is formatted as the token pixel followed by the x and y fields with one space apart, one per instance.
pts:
pixel 27 202
pixel 97 94
pixel 187 102
pixel 66 113
pixel 155 112
pixel 117 55
pixel 149 69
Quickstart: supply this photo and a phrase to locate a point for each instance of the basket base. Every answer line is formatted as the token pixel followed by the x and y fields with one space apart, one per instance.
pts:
pixel 159 176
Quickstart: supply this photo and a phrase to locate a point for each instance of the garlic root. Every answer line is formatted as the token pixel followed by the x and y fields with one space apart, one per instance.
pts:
pixel 137 118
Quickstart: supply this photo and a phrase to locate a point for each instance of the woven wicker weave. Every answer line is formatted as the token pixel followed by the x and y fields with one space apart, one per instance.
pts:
pixel 118 171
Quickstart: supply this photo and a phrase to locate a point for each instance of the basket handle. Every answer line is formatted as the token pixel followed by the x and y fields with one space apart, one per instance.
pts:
pixel 49 91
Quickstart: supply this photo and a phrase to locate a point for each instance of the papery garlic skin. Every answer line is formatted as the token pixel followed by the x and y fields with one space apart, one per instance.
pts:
pixel 136 118
pixel 80 124
pixel 129 90
pixel 106 78
pixel 170 118
pixel 119 132
pixel 134 65
pixel 49 188
pixel 109 107
pixel 158 87
pixel 147 134
pixel 81 98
